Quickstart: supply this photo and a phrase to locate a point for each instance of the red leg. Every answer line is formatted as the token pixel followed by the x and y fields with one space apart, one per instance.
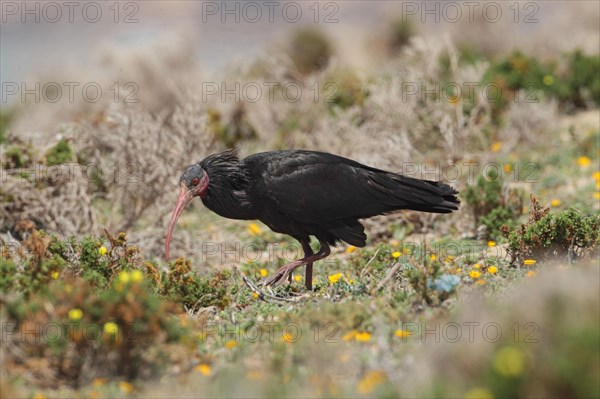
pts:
pixel 285 270
pixel 309 266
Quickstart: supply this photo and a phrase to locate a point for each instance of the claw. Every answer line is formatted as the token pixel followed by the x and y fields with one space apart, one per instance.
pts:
pixel 276 280
pixel 272 282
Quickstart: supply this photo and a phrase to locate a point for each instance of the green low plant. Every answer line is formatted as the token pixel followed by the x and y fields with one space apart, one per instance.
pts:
pixel 310 50
pixel 492 205
pixel 401 30
pixel 120 331
pixel 577 86
pixel 518 72
pixel 185 286
pixel 7 116
pixel 60 153
pixel 18 155
pixel 344 90
pixel 582 83
pixel 547 235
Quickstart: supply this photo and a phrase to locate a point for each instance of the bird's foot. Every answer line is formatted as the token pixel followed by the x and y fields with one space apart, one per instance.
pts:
pixel 283 274
pixel 285 271
pixel 277 279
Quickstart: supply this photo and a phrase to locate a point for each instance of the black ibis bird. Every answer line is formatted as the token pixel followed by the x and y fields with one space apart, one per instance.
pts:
pixel 303 194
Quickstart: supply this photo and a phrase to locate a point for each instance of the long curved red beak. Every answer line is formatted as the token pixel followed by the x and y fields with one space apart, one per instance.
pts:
pixel 185 196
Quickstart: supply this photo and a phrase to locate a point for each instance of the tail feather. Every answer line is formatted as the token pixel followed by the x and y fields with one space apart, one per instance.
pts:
pixel 401 192
pixel 430 196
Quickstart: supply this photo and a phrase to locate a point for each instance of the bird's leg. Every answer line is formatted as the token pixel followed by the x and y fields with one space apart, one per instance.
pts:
pixel 285 270
pixel 309 266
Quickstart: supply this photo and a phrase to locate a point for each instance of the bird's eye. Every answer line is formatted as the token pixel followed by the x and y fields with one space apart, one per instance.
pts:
pixel 195 181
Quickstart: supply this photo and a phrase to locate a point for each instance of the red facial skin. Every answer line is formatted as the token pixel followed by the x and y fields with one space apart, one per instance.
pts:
pixel 186 195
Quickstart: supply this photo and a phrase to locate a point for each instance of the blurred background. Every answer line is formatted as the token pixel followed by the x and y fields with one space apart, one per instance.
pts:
pixel 378 81
pixel 105 103
pixel 221 34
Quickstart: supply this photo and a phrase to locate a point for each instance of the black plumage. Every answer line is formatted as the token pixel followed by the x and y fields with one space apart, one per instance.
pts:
pixel 307 193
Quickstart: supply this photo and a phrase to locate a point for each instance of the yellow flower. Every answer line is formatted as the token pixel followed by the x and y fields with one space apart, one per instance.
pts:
pixel 555 202
pixel 548 80
pixel 531 273
pixel 350 335
pixel 111 328
pixel 492 270
pixel 507 168
pixel 263 272
pixel 298 278
pixel 509 361
pixel 334 278
pixel 479 393
pixel 125 387
pixel 124 277
pixel 137 276
pixel 54 275
pixel 287 337
pixel 432 257
pixel 529 262
pixel 449 259
pixel 102 250
pixel 402 333
pixel 39 395
pixel 371 379
pixel 596 176
pixel 357 336
pixel 480 282
pixel 459 270
pixel 254 295
pixel 396 254
pixel 496 146
pixel 491 244
pixel 204 369
pixel 350 249
pixel 395 243
pixel 75 314
pixel 597 195
pixel 474 274
pixel 362 336
pixel 231 344
pixel 476 266
pixel 584 161
pixel 254 229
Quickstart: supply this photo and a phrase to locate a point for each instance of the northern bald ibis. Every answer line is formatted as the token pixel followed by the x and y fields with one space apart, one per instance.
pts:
pixel 305 193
